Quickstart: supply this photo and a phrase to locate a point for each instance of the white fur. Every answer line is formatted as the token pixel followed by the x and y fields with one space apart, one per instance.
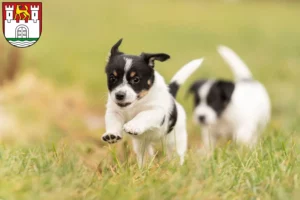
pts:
pixel 144 117
pixel 238 67
pixel 128 64
pixel 181 76
pixel 203 109
pixel 246 115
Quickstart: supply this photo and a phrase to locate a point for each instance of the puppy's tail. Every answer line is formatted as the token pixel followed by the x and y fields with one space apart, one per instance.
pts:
pixel 180 77
pixel 239 68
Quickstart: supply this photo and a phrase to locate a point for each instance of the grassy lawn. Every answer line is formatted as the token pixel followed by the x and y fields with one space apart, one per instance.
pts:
pixel 52 154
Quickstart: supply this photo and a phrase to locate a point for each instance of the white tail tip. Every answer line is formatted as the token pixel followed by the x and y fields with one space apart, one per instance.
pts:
pixel 236 64
pixel 181 76
pixel 223 49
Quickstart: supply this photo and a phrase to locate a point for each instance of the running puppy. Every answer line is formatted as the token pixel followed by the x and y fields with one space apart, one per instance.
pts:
pixel 236 110
pixel 141 104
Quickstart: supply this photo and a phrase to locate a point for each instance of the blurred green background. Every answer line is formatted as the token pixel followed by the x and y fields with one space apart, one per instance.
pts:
pixel 78 35
pixel 57 101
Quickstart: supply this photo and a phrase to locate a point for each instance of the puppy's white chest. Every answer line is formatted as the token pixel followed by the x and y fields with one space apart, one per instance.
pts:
pixel 130 113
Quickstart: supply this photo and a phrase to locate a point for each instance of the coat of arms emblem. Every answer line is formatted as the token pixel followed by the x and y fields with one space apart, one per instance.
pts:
pixel 22 22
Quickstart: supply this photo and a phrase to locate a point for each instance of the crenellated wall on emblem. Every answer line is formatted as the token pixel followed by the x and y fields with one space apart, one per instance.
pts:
pixel 30 27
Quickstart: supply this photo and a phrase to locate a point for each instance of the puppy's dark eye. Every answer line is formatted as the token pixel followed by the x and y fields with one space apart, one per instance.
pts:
pixel 112 78
pixel 135 80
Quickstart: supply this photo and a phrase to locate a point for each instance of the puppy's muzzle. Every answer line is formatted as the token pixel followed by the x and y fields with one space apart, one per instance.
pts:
pixel 120 96
pixel 202 119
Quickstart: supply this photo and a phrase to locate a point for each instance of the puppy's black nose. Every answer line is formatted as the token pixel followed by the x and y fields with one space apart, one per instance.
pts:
pixel 120 96
pixel 202 118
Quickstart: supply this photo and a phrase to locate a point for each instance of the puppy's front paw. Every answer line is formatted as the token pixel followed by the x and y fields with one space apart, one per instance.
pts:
pixel 133 129
pixel 111 138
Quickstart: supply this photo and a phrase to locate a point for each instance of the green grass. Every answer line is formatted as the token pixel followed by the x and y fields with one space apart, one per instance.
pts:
pixel 46 172
pixel 71 54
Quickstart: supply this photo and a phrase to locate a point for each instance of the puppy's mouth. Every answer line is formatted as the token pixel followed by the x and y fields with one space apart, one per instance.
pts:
pixel 123 105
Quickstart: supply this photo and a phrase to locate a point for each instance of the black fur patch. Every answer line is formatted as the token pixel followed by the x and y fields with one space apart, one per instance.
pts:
pixel 163 121
pixel 173 88
pixel 194 89
pixel 115 65
pixel 143 73
pixel 173 118
pixel 151 57
pixel 219 95
pixel 139 75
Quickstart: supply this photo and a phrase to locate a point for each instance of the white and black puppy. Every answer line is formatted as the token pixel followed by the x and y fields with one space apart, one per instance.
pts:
pixel 141 104
pixel 232 110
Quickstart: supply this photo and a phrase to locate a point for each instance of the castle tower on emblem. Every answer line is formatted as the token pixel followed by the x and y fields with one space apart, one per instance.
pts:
pixel 22 24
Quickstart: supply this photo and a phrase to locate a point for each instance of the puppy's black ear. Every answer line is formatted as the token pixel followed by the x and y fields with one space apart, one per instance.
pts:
pixel 115 49
pixel 191 90
pixel 226 90
pixel 195 87
pixel 151 57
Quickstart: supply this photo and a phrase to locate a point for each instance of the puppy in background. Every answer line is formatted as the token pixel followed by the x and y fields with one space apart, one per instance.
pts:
pixel 237 110
pixel 142 105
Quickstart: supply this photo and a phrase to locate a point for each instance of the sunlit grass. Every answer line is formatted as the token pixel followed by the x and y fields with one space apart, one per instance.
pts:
pixel 56 171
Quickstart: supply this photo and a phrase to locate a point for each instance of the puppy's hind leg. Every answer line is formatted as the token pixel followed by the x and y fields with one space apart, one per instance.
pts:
pixel 178 139
pixel 246 136
pixel 150 151
pixel 140 147
pixel 181 146
pixel 179 134
pixel 209 140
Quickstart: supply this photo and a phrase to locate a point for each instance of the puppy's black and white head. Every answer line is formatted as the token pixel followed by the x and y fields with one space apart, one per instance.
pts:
pixel 211 98
pixel 130 77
